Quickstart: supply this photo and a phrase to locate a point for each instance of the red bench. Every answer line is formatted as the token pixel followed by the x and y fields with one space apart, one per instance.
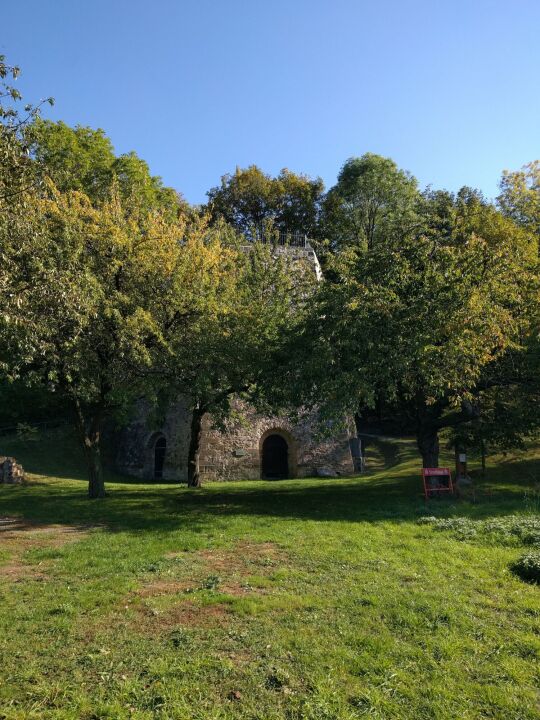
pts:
pixel 437 481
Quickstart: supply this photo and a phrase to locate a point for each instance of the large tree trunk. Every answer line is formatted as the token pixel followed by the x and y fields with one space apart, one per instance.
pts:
pixel 90 438
pixel 194 478
pixel 427 439
pixel 96 482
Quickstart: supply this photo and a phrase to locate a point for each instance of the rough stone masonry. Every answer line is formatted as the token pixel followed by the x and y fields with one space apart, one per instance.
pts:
pixel 11 473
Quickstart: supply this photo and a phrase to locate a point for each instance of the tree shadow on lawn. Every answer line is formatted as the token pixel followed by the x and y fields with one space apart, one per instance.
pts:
pixel 394 493
pixel 396 498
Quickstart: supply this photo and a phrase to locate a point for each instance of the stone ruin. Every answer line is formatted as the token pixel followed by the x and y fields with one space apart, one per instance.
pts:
pixel 11 473
pixel 250 446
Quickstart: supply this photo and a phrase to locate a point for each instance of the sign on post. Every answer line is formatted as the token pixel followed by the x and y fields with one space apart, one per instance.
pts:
pixel 437 481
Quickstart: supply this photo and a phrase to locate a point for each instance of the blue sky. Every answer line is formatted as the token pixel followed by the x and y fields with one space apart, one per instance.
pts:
pixel 450 89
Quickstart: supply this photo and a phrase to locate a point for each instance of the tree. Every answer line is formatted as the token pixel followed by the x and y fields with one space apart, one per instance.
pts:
pixel 520 197
pixel 83 159
pixel 16 136
pixel 425 321
pixel 19 180
pixel 373 201
pixel 249 199
pixel 118 291
pixel 101 285
pixel 505 417
pixel 255 300
pixel 116 304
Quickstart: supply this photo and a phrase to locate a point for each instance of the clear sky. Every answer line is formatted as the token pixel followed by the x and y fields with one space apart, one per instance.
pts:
pixel 450 89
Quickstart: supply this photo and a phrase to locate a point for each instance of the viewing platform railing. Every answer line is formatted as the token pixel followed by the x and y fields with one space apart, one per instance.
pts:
pixel 279 237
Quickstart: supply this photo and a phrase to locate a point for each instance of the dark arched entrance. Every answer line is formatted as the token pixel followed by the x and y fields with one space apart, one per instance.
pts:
pixel 159 457
pixel 275 457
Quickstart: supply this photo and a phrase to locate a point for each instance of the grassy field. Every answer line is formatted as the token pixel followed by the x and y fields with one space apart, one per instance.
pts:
pixel 308 599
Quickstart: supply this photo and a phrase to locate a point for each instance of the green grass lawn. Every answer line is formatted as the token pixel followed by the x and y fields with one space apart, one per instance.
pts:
pixel 303 599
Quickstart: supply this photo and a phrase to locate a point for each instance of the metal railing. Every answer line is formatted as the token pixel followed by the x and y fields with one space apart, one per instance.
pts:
pixel 272 236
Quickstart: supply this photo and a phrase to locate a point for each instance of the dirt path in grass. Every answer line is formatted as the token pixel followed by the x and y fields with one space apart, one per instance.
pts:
pixel 19 536
pixel 171 599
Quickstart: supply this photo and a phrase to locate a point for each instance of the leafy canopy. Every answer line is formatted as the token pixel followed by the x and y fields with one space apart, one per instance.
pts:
pixel 249 199
pixel 520 196
pixel 82 158
pixel 373 201
pixel 423 319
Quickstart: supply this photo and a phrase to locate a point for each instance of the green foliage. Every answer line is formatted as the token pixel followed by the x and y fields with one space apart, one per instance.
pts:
pixel 27 432
pixel 425 320
pixel 76 158
pixel 16 135
pixel 113 287
pixel 83 159
pixel 520 197
pixel 505 417
pixel 21 403
pixel 512 529
pixel 527 567
pixel 255 302
pixel 250 199
pixel 255 298
pixel 95 284
pixel 19 179
pixel 373 202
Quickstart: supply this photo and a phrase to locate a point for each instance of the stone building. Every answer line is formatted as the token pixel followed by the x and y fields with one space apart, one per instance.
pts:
pixel 250 446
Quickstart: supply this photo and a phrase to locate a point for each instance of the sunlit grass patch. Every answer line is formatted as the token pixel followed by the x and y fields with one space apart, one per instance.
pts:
pixel 299 600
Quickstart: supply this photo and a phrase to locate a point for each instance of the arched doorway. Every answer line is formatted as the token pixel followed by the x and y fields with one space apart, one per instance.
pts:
pixel 275 457
pixel 160 448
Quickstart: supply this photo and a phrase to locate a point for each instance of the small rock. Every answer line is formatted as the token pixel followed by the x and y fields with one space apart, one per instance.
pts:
pixel 11 472
pixel 325 472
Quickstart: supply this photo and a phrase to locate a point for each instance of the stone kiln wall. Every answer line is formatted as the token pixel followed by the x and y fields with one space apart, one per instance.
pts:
pixel 135 453
pixel 11 472
pixel 233 453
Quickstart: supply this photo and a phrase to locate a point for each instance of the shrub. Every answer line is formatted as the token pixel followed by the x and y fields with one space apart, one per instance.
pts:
pixel 525 528
pixel 527 567
pixel 463 528
pixel 506 530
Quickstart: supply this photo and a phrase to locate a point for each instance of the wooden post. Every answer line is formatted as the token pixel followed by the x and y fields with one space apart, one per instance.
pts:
pixel 483 450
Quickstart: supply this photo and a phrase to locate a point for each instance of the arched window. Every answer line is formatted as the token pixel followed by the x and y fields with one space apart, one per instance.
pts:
pixel 159 457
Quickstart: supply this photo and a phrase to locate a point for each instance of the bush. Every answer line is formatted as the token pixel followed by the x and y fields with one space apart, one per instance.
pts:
pixel 463 528
pixel 506 530
pixel 525 528
pixel 528 567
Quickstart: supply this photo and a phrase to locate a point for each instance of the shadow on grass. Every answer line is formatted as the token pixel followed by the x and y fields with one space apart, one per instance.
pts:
pixel 163 508
pixel 394 494
pixel 53 452
pixel 56 453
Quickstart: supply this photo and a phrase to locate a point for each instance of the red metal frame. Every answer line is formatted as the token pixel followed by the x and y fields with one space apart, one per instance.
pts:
pixel 436 488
